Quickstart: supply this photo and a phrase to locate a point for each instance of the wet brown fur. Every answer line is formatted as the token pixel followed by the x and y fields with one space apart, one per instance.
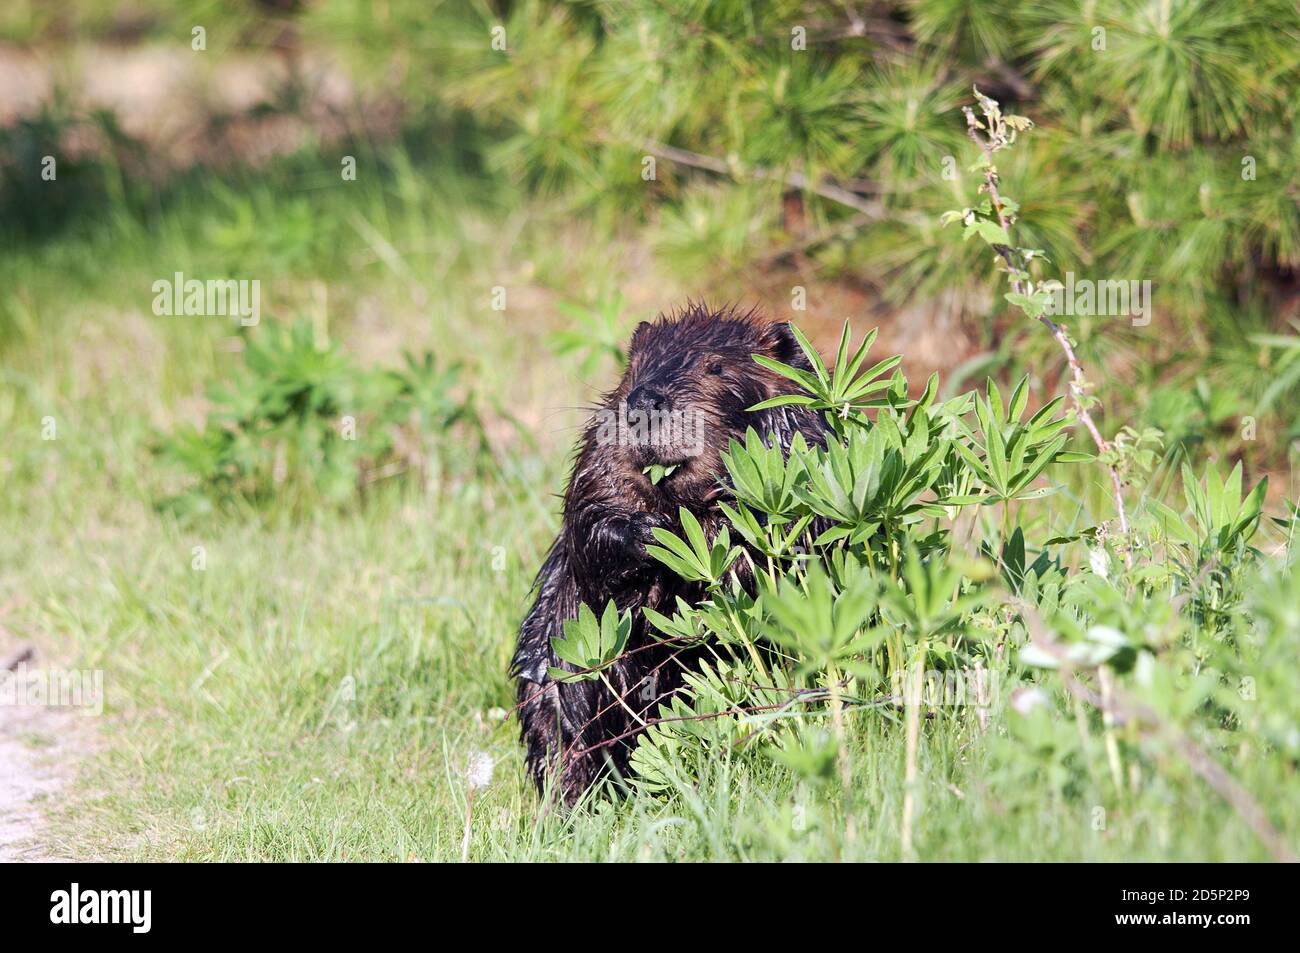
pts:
pixel 697 361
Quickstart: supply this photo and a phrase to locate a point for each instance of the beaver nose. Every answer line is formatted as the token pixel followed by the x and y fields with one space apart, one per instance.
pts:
pixel 646 398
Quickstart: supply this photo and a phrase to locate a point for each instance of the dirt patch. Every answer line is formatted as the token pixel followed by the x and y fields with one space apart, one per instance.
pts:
pixel 40 747
pixel 183 108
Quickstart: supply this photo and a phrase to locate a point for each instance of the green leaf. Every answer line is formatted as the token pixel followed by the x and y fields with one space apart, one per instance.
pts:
pixel 657 472
pixel 990 231
pixel 784 400
pixel 591 645
pixel 810 352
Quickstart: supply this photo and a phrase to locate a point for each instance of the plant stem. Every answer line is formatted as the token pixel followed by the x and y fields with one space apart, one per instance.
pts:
pixel 912 702
pixel 754 654
pixel 842 754
pixel 469 816
pixel 1108 721
pixel 619 699
pixel 837 722
pixel 1078 383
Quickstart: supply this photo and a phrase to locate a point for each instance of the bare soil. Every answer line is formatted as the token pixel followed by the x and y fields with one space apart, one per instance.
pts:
pixel 40 748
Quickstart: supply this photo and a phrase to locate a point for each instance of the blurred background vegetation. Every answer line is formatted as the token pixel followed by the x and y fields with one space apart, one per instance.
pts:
pixel 1168 150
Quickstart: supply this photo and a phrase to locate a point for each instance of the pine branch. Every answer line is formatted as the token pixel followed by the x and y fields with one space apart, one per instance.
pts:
pixel 793 179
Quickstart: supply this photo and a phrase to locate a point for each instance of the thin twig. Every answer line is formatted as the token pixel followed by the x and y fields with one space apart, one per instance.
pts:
pixel 794 179
pixel 651 722
pixel 622 701
pixel 1078 383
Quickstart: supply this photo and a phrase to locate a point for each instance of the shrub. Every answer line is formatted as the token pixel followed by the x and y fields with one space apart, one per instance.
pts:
pixel 939 591
pixel 912 564
pixel 303 423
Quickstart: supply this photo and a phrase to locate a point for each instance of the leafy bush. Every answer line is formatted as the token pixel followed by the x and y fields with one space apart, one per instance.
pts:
pixel 938 567
pixel 887 584
pixel 304 422
pixel 912 564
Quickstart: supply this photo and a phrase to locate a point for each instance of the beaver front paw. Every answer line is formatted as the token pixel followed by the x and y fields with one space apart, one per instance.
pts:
pixel 645 525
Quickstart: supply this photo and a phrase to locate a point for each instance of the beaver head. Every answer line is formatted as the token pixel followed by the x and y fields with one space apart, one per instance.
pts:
pixel 690 381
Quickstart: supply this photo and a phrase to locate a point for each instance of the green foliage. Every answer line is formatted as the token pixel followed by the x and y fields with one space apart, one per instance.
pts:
pixel 694 558
pixel 1012 453
pixel 1166 149
pixel 589 644
pixel 879 571
pixel 839 391
pixel 304 422
pixel 1185 85
pixel 1133 172
pixel 819 626
pixel 868 596
pixel 657 472
pixel 596 333
pixel 1223 519
pixel 1258 683
pixel 682 745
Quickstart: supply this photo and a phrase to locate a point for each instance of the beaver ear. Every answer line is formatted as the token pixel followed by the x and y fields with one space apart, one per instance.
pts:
pixel 784 346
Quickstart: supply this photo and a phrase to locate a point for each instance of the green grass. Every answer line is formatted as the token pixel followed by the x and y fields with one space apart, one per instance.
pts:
pixel 317 691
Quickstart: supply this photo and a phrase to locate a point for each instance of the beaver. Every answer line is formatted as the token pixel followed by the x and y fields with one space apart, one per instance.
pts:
pixel 685 393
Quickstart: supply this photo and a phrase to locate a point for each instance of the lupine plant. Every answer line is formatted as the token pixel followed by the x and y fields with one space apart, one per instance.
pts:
pixel 909 571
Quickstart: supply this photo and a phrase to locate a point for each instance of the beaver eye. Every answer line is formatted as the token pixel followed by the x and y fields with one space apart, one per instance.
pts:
pixel 715 367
